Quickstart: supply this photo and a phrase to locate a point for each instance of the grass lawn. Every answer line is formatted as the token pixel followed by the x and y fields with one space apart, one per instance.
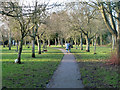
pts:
pixel 94 72
pixel 33 72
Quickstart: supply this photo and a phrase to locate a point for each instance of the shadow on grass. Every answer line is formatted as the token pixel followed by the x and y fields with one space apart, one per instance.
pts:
pixel 29 57
pixel 28 75
pixel 98 74
pixel 92 56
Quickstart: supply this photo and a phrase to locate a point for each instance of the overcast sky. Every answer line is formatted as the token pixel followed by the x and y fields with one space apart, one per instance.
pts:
pixel 50 1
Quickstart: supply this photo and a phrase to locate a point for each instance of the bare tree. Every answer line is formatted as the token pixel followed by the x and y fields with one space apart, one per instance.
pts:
pixel 84 17
pixel 37 19
pixel 112 10
pixel 12 9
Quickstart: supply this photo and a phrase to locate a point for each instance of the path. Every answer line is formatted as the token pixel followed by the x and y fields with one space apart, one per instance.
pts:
pixel 67 74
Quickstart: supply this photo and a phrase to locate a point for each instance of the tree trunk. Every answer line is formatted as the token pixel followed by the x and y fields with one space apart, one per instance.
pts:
pixel 113 42
pixel 20 51
pixel 39 45
pixel 101 41
pixel 55 42
pixel 93 41
pixel 3 41
pixel 65 41
pixel 14 42
pixel 61 42
pixel 10 40
pixel 17 46
pixel 118 28
pixel 87 44
pixel 112 22
pixel 25 43
pixel 95 45
pixel 118 20
pixel 118 51
pixel 33 48
pixel 3 44
pixel 58 40
pixel 43 45
pixel 81 43
pixel 19 43
pixel 112 31
pixel 75 43
pixel 71 41
pixel 48 42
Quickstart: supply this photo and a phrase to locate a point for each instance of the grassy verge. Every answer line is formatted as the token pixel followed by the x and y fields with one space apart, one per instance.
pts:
pixel 33 72
pixel 94 72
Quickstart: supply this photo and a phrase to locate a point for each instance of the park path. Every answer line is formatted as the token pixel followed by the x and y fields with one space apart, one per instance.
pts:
pixel 67 74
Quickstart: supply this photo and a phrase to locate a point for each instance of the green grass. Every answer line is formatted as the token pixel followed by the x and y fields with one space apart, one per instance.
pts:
pixel 94 72
pixel 36 72
pixel 33 72
pixel 58 46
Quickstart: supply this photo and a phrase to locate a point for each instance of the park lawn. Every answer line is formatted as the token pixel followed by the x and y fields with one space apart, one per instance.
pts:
pixel 33 72
pixel 94 71
pixel 58 46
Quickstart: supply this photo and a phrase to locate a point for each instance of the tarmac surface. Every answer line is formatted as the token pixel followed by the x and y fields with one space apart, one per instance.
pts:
pixel 67 74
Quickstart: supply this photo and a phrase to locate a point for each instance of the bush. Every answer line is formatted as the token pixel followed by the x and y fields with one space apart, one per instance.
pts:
pixel 113 60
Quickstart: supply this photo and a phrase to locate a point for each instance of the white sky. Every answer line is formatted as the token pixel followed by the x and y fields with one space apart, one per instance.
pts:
pixel 32 3
pixel 42 1
pixel 60 0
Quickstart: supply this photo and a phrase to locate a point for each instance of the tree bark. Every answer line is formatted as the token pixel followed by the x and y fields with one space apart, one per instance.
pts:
pixel 95 45
pixel 61 42
pixel 112 31
pixel 71 41
pixel 44 45
pixel 93 41
pixel 58 40
pixel 81 43
pixel 3 44
pixel 19 43
pixel 48 42
pixel 118 23
pixel 112 22
pixel 118 39
pixel 118 51
pixel 3 41
pixel 33 48
pixel 39 45
pixel 101 40
pixel 55 42
pixel 87 44
pixel 75 43
pixel 14 42
pixel 113 42
pixel 20 51
pixel 17 46
pixel 10 40
pixel 65 41
pixel 25 43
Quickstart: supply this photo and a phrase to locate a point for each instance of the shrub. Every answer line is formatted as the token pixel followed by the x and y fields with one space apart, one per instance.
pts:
pixel 113 60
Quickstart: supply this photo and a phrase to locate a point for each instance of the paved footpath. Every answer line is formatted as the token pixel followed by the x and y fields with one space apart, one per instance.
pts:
pixel 67 74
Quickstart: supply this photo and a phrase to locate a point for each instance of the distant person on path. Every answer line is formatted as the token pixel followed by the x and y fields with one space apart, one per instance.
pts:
pixel 68 46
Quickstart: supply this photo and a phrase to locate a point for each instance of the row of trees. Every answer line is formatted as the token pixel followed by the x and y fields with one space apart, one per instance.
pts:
pixel 28 23
pixel 78 20
pixel 110 12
